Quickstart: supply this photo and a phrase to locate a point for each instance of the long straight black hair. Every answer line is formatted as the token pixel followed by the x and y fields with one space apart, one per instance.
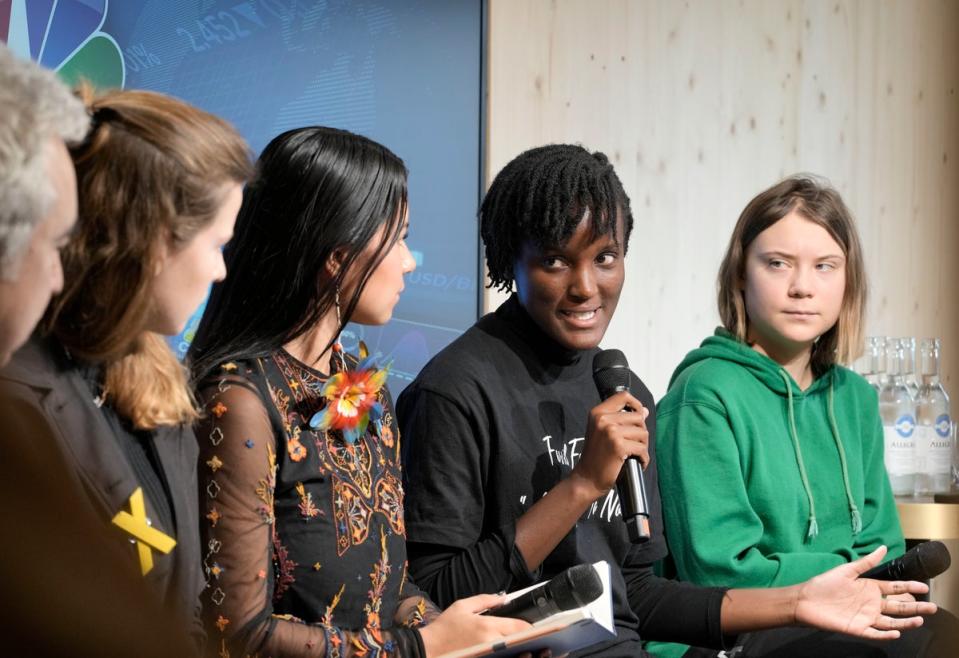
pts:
pixel 316 191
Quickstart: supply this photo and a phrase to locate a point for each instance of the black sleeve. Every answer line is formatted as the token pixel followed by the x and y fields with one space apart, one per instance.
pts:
pixel 493 564
pixel 452 551
pixel 671 611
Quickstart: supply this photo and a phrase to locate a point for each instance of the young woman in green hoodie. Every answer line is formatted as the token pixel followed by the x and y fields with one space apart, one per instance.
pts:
pixel 770 452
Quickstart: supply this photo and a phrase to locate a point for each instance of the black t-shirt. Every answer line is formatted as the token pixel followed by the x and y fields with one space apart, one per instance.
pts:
pixel 490 425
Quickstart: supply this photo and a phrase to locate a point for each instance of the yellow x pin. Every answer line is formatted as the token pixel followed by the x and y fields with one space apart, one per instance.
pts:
pixel 134 522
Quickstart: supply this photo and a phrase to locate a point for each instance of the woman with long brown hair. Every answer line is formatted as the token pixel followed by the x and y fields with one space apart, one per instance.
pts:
pixel 159 185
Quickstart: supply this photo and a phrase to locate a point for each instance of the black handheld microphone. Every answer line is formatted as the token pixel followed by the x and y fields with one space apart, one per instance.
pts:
pixel 574 588
pixel 922 562
pixel 611 374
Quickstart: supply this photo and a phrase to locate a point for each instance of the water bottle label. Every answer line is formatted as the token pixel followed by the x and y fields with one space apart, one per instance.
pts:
pixel 899 451
pixel 905 425
pixel 933 452
pixel 944 426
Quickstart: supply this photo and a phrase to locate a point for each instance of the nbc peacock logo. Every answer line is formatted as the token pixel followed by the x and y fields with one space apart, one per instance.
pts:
pixel 66 36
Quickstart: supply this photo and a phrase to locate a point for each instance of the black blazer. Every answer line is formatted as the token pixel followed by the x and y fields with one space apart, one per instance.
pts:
pixel 41 377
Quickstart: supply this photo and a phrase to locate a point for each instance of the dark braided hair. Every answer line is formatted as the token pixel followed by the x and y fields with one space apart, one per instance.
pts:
pixel 541 196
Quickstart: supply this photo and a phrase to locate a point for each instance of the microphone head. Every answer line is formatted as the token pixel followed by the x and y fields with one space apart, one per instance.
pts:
pixel 933 558
pixel 576 587
pixel 610 372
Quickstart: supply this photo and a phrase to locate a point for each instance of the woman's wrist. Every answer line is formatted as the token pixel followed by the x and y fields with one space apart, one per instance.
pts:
pixel 428 640
pixel 582 490
pixel 746 610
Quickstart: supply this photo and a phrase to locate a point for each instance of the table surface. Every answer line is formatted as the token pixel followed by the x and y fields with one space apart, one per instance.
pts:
pixel 921 518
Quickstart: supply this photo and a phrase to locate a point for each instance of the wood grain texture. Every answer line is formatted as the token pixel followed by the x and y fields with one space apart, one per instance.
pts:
pixel 701 105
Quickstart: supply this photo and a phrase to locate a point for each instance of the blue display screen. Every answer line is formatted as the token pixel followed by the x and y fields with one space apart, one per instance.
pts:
pixel 406 73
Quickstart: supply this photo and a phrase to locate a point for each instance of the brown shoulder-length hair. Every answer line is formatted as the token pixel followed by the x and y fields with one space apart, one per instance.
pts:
pixel 817 201
pixel 152 172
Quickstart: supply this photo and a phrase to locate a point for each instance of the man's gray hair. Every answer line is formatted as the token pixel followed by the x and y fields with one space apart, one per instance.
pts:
pixel 36 106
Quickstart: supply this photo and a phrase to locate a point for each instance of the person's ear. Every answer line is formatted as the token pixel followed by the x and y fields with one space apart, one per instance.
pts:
pixel 163 252
pixel 334 263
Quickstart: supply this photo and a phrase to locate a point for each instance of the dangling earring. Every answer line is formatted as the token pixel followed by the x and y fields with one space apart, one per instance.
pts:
pixel 337 345
pixel 352 396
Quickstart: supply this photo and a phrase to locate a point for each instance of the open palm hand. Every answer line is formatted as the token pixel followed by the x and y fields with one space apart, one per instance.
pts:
pixel 839 600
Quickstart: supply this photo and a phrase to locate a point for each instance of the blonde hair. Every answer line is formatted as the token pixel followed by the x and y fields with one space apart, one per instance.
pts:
pixel 815 200
pixel 152 170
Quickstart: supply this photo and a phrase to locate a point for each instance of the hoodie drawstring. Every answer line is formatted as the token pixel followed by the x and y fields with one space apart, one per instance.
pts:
pixel 854 514
pixel 813 529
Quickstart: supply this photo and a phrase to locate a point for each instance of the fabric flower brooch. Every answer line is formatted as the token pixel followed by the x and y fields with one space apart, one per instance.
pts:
pixel 352 398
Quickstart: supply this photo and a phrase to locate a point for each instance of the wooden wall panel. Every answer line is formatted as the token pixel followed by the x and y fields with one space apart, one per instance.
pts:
pixel 703 104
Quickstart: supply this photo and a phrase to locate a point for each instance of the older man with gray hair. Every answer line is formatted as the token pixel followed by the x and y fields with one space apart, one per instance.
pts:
pixel 38 191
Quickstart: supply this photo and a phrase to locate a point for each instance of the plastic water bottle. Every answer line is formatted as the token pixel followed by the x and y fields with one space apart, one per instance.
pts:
pixel 874 361
pixel 898 412
pixel 909 376
pixel 934 435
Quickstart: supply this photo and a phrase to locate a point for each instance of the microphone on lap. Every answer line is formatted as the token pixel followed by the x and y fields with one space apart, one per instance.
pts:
pixel 611 375
pixel 573 588
pixel 922 562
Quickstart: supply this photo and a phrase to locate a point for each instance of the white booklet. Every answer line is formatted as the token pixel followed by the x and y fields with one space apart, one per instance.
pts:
pixel 561 633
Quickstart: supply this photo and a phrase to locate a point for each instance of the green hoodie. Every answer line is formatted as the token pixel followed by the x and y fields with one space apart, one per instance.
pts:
pixel 763 484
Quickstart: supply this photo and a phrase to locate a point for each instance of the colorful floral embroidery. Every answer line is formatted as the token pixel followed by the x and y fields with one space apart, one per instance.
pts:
pixel 389 502
pixel 214 463
pixel 307 508
pixel 385 433
pixel 296 449
pixel 214 516
pixel 418 617
pixel 354 460
pixel 284 567
pixel 218 409
pixel 378 577
pixel 222 622
pixel 327 619
pixel 334 640
pixel 351 515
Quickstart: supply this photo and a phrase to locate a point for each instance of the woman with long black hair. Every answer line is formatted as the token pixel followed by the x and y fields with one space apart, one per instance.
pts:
pixel 299 468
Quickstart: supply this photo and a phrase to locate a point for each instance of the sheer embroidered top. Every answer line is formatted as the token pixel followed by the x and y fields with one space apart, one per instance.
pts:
pixel 303 535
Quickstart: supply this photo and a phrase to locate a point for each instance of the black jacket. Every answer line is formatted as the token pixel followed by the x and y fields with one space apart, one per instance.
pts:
pixel 42 378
